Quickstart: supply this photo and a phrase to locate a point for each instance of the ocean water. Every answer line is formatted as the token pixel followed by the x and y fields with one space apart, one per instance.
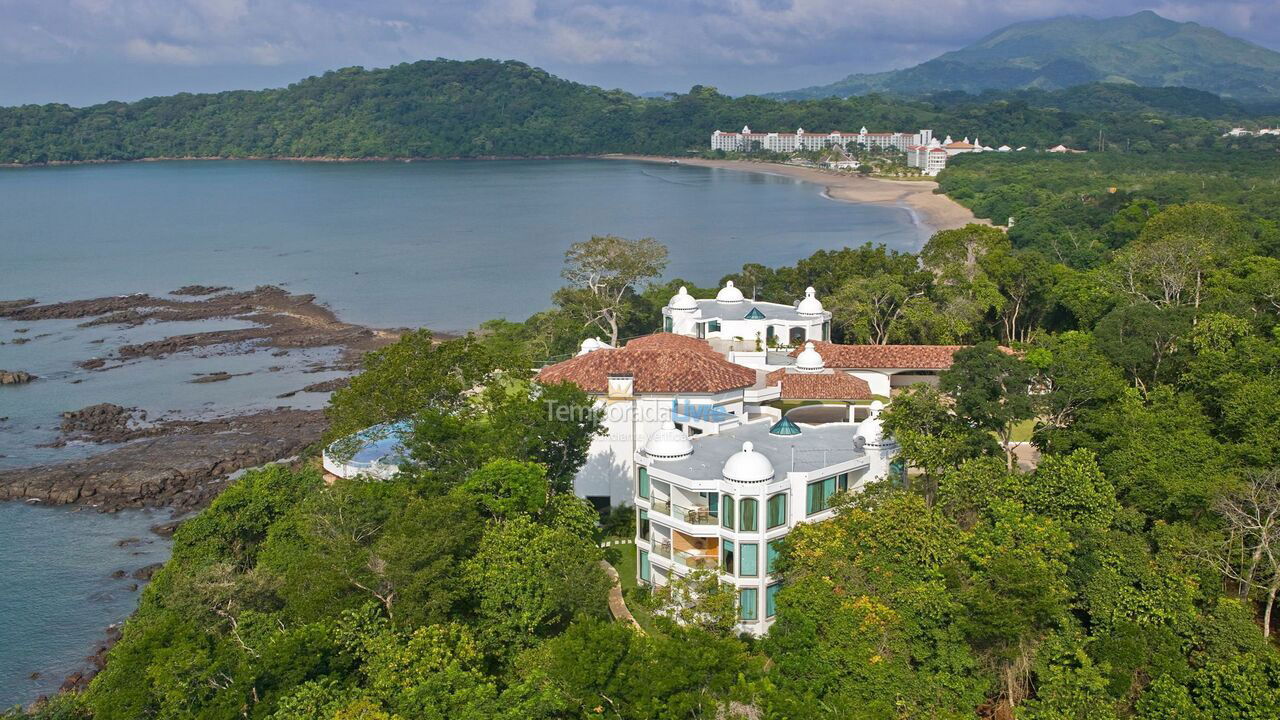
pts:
pixel 58 596
pixel 444 245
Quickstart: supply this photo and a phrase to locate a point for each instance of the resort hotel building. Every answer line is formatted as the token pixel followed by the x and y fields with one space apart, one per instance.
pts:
pixel 748 141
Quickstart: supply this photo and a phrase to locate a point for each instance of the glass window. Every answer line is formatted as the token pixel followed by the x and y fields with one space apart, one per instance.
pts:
pixel 644 565
pixel 843 482
pixel 713 503
pixel 747 609
pixel 771 556
pixel 777 508
pixel 771 600
pixel 644 482
pixel 748 564
pixel 819 496
pixel 749 517
pixel 642 524
pixel 714 326
pixel 728 557
pixel 726 517
pixel 666 323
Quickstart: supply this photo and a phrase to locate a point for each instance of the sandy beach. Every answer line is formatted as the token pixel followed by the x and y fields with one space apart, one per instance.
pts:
pixel 937 212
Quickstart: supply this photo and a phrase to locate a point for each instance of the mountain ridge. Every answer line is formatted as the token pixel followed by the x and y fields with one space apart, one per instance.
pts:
pixel 1142 49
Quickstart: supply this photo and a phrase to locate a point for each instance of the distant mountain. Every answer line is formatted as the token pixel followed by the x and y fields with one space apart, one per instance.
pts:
pixel 1142 49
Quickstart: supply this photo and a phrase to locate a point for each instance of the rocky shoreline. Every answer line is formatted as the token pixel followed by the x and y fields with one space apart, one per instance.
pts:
pixel 182 465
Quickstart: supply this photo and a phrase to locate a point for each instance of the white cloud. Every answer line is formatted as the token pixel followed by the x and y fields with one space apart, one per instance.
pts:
pixel 726 42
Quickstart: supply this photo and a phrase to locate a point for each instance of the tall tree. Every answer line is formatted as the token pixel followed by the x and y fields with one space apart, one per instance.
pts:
pixel 992 390
pixel 609 268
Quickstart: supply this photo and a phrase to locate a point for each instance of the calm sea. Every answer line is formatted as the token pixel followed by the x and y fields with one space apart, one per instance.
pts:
pixel 444 245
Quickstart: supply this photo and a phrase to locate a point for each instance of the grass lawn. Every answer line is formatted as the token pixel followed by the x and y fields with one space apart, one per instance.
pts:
pixel 1022 431
pixel 623 559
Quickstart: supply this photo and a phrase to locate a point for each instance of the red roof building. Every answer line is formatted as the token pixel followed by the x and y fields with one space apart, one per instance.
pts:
pixel 663 363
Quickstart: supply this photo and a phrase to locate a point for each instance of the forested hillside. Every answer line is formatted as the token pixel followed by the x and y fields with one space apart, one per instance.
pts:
pixel 1141 49
pixel 481 108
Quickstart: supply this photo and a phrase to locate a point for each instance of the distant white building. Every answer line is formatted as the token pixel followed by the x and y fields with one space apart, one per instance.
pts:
pixel 746 140
pixel 931 159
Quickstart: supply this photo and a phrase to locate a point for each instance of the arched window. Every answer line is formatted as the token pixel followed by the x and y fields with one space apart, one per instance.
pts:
pixel 748 520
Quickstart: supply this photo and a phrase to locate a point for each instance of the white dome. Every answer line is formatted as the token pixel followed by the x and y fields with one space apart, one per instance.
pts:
pixel 729 294
pixel 809 360
pixel 668 443
pixel 748 466
pixel 809 305
pixel 592 343
pixel 871 430
pixel 683 300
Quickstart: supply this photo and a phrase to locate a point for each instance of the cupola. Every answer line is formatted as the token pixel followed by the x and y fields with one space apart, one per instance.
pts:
pixel 871 430
pixel 809 361
pixel 729 294
pixel 668 443
pixel 810 304
pixel 748 466
pixel 682 300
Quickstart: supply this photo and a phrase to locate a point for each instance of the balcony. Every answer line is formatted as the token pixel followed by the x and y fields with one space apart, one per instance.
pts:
pixel 697 560
pixel 695 515
pixel 661 548
pixel 660 506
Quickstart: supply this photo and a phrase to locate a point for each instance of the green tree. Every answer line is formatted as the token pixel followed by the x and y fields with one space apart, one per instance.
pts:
pixel 609 268
pixel 992 391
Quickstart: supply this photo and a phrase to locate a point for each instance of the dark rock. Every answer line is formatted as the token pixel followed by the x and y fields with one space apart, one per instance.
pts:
pixel 92 363
pixel 129 542
pixel 200 290
pixel 119 574
pixel 15 377
pixel 145 572
pixel 328 385
pixel 132 587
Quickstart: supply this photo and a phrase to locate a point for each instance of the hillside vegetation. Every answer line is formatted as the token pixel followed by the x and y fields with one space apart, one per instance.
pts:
pixel 1141 49
pixel 482 108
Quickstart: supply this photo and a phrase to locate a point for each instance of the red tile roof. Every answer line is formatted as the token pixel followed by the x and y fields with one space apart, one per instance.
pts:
pixel 659 363
pixel 885 357
pixel 832 385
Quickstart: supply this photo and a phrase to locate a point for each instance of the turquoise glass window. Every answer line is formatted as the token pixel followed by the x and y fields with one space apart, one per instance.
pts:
pixel 747 604
pixel 749 560
pixel 771 600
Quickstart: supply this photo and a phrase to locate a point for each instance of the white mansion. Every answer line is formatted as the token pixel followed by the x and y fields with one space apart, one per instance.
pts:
pixel 726 430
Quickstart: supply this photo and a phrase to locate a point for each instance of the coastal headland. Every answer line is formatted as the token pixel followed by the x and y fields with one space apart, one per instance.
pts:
pixel 182 463
pixel 919 197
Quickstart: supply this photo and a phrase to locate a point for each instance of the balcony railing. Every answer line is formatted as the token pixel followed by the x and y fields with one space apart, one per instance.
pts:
pixel 661 549
pixel 695 515
pixel 697 560
pixel 662 507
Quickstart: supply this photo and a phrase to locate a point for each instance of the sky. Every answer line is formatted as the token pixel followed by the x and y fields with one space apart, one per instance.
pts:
pixel 88 51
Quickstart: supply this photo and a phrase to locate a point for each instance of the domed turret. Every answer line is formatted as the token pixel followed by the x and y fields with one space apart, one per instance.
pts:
pixel 668 443
pixel 809 360
pixel 729 294
pixel 682 300
pixel 592 344
pixel 748 466
pixel 871 430
pixel 809 305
